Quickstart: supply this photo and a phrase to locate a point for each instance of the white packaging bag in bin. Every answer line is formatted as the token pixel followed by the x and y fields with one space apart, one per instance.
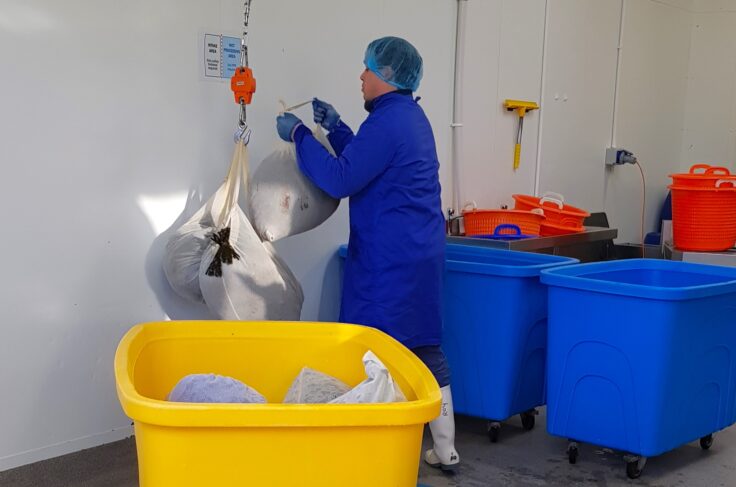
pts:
pixel 283 201
pixel 242 278
pixel 314 387
pixel 379 387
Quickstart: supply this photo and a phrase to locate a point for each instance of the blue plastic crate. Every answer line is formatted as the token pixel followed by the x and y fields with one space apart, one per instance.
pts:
pixel 641 353
pixel 495 329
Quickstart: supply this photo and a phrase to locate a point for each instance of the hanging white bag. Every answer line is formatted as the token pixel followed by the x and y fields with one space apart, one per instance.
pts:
pixel 283 201
pixel 186 246
pixel 240 277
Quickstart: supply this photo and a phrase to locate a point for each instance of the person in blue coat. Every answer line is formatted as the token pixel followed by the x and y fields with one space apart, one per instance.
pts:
pixel 396 250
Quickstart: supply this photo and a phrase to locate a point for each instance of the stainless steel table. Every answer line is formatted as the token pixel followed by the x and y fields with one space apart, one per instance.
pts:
pixel 727 258
pixel 588 246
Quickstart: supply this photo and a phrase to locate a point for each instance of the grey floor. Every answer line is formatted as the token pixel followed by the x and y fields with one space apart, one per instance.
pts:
pixel 520 458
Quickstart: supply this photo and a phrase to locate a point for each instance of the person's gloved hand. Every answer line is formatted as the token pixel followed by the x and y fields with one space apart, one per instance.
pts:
pixel 325 114
pixel 286 124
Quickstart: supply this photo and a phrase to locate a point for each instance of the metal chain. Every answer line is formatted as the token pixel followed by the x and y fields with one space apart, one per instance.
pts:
pixel 244 59
pixel 244 39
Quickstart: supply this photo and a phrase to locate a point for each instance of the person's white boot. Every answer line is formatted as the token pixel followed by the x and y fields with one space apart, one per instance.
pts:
pixel 443 454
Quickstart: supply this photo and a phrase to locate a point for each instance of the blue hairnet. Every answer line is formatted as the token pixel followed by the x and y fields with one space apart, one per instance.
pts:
pixel 395 61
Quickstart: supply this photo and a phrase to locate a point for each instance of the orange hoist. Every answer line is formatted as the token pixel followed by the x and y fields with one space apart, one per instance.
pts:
pixel 243 85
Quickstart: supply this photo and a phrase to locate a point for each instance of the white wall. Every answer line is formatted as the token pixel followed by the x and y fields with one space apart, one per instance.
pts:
pixel 580 72
pixel 564 54
pixel 503 59
pixel 675 102
pixel 655 55
pixel 107 127
pixel 677 99
pixel 710 111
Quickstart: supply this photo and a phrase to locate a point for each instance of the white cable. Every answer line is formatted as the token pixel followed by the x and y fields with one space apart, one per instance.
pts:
pixel 542 100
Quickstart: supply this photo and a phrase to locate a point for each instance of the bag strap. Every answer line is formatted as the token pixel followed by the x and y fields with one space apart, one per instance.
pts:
pixel 233 182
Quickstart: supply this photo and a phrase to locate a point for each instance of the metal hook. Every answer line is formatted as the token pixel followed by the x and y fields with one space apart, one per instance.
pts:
pixel 246 135
pixel 243 133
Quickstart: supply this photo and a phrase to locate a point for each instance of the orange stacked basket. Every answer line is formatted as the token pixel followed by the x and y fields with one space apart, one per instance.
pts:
pixel 484 222
pixel 561 218
pixel 704 209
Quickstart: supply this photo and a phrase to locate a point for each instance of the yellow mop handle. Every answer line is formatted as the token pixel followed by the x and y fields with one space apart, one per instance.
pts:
pixel 517 147
pixel 522 108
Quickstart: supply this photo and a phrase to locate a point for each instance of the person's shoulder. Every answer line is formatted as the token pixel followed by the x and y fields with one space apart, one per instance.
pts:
pixel 399 110
pixel 409 112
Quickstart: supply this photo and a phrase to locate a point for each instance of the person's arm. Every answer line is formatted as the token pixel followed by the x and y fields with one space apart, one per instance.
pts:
pixel 366 156
pixel 325 115
pixel 340 136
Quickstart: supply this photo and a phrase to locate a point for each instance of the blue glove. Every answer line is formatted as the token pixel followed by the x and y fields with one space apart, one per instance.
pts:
pixel 325 114
pixel 286 125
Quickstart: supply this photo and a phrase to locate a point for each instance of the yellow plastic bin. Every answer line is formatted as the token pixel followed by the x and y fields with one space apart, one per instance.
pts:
pixel 185 444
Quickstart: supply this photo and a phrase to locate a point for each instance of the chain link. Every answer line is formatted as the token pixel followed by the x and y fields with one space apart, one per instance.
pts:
pixel 244 39
pixel 242 122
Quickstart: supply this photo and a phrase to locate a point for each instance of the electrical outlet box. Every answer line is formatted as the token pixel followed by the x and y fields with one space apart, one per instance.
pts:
pixel 616 156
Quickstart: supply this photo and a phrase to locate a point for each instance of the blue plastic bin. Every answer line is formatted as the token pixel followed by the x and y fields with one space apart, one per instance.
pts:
pixel 495 329
pixel 641 354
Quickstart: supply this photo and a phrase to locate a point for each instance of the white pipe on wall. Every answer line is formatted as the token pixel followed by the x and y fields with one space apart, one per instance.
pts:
pixel 457 104
pixel 614 129
pixel 614 142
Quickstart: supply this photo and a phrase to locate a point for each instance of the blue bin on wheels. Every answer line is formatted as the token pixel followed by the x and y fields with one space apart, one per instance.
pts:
pixel 641 355
pixel 495 331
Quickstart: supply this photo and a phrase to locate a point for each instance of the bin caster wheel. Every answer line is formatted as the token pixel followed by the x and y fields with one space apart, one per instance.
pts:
pixel 635 466
pixel 494 429
pixel 572 453
pixel 706 442
pixel 528 420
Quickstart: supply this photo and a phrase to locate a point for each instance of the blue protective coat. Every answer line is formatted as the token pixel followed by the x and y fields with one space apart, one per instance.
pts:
pixel 390 171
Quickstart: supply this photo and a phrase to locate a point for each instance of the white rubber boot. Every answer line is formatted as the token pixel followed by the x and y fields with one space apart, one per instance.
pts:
pixel 443 455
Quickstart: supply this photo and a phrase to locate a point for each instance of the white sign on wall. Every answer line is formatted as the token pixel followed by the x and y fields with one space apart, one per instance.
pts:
pixel 221 56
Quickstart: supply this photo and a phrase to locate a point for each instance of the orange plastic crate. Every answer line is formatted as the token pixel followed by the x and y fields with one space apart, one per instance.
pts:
pixel 705 179
pixel 557 212
pixel 704 219
pixel 551 230
pixel 484 222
